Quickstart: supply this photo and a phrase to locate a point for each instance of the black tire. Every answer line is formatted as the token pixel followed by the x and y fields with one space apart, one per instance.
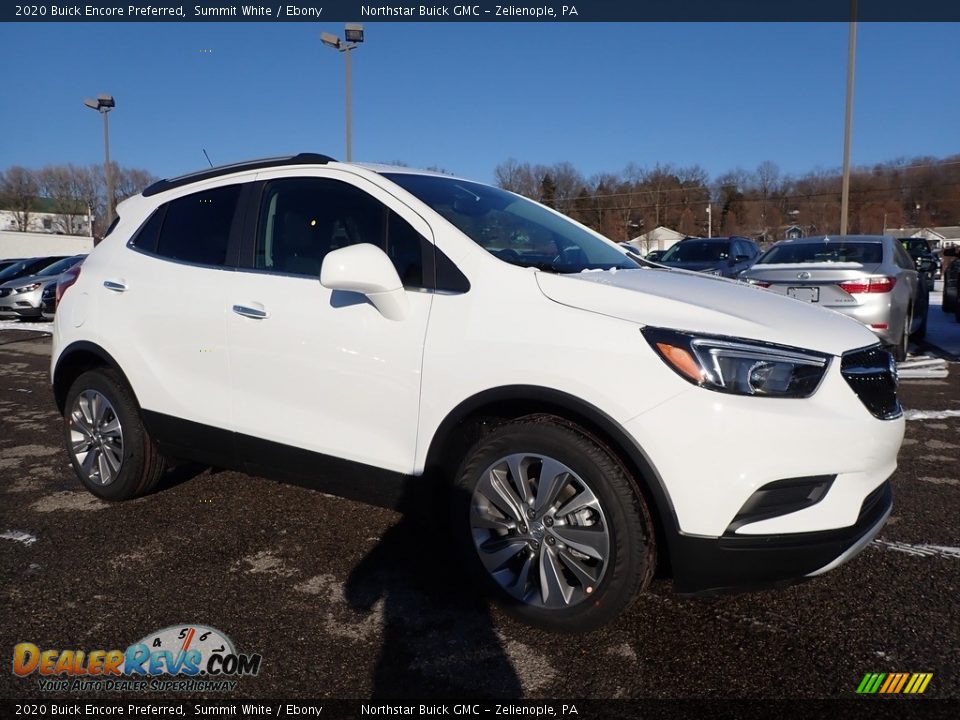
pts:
pixel 948 305
pixel 631 558
pixel 142 465
pixel 921 332
pixel 899 351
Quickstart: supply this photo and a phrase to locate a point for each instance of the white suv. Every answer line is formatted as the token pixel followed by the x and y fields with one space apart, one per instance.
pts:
pixel 588 419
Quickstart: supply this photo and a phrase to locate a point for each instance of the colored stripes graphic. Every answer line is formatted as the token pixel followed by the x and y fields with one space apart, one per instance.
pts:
pixel 894 683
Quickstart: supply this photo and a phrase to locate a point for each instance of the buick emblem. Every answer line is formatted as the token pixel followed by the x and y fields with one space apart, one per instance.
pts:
pixel 803 275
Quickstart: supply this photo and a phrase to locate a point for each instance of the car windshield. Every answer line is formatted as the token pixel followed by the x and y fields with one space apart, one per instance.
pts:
pixel 864 253
pixel 690 251
pixel 512 228
pixel 14 270
pixel 59 266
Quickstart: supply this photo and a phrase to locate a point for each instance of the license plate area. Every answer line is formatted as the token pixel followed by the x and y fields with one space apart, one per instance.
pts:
pixel 807 294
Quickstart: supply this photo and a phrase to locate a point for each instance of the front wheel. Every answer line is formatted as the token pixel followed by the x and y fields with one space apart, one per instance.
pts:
pixel 553 525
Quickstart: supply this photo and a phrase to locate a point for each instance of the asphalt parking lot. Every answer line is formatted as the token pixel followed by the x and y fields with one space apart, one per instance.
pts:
pixel 345 600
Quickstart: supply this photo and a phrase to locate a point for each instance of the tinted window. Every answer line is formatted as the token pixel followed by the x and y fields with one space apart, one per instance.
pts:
pixel 25 267
pixel 196 228
pixel 149 233
pixel 61 265
pixel 902 258
pixel 513 228
pixel 865 253
pixel 697 251
pixel 304 219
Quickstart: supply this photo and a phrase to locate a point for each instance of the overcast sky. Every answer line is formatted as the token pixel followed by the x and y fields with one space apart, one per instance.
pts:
pixel 468 96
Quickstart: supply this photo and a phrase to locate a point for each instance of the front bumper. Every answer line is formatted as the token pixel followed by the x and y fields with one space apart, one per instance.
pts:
pixel 20 305
pixel 704 566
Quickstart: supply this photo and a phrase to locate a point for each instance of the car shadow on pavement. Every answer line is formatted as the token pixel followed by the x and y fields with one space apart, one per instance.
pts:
pixel 438 635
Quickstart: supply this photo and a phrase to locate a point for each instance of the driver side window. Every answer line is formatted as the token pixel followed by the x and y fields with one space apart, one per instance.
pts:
pixel 302 220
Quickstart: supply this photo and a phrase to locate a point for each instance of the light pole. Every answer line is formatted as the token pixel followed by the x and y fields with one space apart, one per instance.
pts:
pixel 709 221
pixel 354 36
pixel 104 104
pixel 851 57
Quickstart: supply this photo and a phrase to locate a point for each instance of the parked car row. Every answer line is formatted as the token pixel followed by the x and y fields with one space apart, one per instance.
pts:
pixel 25 282
pixel 881 281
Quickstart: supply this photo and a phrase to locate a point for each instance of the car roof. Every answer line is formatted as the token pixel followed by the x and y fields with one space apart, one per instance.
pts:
pixel 208 173
pixel 835 238
pixel 272 162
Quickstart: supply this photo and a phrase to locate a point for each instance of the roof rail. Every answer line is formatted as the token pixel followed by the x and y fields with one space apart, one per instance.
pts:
pixel 299 159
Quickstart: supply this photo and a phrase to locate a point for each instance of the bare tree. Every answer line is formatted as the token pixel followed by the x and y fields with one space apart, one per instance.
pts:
pixel 19 190
pixel 62 186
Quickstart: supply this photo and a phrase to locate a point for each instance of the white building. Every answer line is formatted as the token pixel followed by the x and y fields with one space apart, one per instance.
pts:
pixel 660 238
pixel 47 216
pixel 941 237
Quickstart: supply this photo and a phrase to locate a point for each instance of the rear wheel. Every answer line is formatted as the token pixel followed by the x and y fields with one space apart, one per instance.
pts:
pixel 552 525
pixel 111 451
pixel 900 349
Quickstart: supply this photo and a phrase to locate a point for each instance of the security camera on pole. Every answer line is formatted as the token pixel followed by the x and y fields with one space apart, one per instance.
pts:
pixel 104 104
pixel 354 36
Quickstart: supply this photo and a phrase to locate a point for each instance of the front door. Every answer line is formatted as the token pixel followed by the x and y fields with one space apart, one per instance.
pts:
pixel 316 369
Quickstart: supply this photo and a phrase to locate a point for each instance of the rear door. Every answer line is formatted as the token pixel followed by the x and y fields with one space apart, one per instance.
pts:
pixel 164 298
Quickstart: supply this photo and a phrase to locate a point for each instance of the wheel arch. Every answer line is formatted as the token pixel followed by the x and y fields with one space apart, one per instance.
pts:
pixel 76 359
pixel 469 421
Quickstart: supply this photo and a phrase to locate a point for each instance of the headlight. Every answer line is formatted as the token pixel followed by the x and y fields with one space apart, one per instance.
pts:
pixel 741 367
pixel 27 288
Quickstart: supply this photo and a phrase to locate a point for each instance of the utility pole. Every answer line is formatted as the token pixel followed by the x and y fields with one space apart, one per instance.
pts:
pixel 851 58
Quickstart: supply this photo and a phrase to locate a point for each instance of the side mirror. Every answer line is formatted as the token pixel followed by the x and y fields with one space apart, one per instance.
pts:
pixel 740 259
pixel 367 270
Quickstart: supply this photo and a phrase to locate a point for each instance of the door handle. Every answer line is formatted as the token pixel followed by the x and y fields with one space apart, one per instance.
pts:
pixel 250 312
pixel 114 285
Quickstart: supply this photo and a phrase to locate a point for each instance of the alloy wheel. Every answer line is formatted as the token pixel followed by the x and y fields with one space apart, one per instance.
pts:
pixel 540 531
pixel 96 437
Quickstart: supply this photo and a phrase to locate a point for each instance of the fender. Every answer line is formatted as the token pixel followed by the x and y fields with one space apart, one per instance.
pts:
pixel 520 398
pixel 68 358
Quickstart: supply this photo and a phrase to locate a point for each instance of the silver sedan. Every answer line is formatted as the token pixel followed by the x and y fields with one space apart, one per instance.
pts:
pixel 871 278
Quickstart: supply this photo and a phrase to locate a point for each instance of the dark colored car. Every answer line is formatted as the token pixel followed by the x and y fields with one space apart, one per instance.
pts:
pixel 951 279
pixel 28 266
pixel 927 261
pixel 4 264
pixel 724 256
pixel 48 301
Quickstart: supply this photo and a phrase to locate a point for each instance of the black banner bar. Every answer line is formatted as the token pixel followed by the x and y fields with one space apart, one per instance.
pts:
pixel 530 11
pixel 867 708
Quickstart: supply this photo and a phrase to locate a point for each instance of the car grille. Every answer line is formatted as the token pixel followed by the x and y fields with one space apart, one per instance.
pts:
pixel 872 374
pixel 4 292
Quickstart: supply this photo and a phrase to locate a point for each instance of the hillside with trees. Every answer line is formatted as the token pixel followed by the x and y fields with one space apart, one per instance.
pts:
pixel 760 203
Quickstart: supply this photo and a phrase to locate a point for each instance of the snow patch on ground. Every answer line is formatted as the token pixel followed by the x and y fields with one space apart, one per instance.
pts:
pixel 41 327
pixel 930 414
pixel 921 550
pixel 18 536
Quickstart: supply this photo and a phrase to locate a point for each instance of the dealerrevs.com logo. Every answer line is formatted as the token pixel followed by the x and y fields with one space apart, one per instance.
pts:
pixel 187 658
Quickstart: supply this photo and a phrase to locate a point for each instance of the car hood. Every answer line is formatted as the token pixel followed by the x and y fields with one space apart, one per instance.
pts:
pixel 706 304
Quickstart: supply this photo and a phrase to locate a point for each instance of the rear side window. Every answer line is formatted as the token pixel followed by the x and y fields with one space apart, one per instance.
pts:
pixel 194 228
